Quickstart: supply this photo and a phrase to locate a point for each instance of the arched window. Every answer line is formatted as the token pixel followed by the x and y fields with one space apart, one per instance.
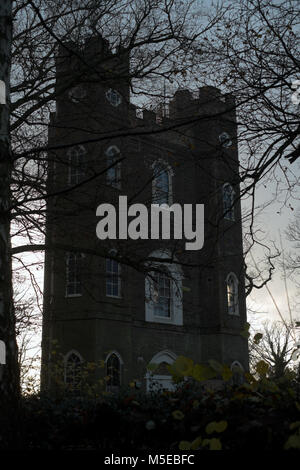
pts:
pixel 162 184
pixel 163 291
pixel 113 174
pixel 77 164
pixel 232 294
pixel 114 97
pixel 238 377
pixel 73 274
pixel 73 369
pixel 228 201
pixel 113 278
pixel 113 371
pixel 160 378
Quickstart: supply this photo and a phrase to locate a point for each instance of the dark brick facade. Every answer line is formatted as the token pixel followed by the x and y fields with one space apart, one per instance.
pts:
pixel 93 324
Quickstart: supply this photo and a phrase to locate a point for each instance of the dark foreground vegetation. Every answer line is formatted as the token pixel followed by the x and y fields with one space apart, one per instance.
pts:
pixel 261 414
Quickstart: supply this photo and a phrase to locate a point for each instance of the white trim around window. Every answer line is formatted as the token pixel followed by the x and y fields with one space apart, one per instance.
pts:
pixel 170 296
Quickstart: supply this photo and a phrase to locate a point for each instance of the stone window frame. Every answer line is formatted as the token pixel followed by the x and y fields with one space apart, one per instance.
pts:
pixel 166 356
pixel 176 277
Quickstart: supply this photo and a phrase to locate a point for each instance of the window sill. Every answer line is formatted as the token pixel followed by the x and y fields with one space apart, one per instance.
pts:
pixel 73 295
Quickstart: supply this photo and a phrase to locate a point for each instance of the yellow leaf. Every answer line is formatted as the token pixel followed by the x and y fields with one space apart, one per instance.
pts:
pixel 182 367
pixel 221 426
pixel 202 372
pixel 226 373
pixel 214 426
pixel 295 425
pixel 196 443
pixel 184 445
pixel 177 414
pixel 293 442
pixel 262 368
pixel 214 444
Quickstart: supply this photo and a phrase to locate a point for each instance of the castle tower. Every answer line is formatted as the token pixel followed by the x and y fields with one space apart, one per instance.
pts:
pixel 105 299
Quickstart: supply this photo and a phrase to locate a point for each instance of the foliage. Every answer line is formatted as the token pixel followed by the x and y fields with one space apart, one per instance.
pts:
pixel 259 414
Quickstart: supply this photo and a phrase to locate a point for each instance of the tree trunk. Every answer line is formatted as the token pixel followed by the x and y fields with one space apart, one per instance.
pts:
pixel 9 373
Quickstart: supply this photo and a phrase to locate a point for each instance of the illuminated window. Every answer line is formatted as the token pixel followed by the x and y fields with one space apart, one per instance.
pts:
pixel 232 294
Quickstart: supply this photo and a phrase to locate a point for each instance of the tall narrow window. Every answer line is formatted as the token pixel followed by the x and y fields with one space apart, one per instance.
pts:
pixel 232 294
pixel 73 366
pixel 113 372
pixel 161 185
pixel 162 295
pixel 163 290
pixel 228 201
pixel 77 157
pixel 73 274
pixel 113 278
pixel 113 174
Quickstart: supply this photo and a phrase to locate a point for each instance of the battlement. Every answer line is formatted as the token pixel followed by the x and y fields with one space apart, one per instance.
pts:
pixel 206 100
pixel 94 59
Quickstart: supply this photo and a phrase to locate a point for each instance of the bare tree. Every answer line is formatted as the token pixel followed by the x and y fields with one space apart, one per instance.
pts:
pixel 9 385
pixel 275 345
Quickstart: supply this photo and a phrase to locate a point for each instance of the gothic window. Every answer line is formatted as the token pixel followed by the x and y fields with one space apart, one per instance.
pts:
pixel 73 365
pixel 232 294
pixel 238 377
pixel 162 187
pixel 163 292
pixel 113 278
pixel 160 379
pixel 113 97
pixel 77 94
pixel 113 372
pixel 113 174
pixel 228 201
pixel 77 163
pixel 225 140
pixel 73 274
